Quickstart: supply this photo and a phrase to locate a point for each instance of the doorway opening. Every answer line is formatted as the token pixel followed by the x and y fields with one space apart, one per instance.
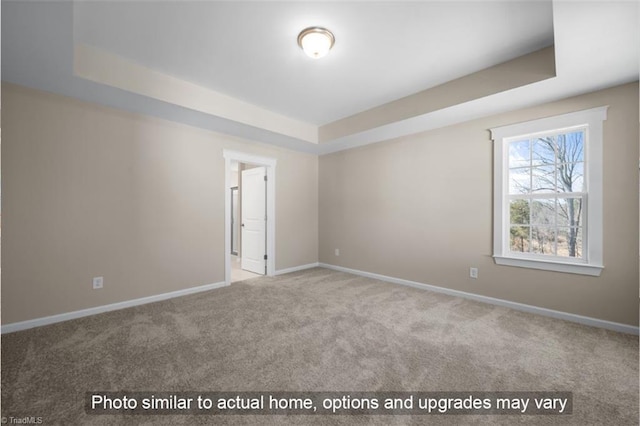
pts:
pixel 248 221
pixel 249 216
pixel 237 271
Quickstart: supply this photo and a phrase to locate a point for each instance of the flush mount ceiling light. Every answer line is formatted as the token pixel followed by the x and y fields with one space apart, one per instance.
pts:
pixel 316 41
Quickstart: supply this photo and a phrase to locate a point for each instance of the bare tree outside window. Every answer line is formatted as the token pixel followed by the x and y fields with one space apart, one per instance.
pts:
pixel 546 188
pixel 548 193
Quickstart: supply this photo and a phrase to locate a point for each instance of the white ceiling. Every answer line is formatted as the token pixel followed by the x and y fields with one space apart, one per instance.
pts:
pixel 383 51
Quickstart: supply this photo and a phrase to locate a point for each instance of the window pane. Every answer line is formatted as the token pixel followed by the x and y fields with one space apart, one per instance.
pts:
pixel 570 242
pixel 571 177
pixel 519 238
pixel 543 151
pixel 519 212
pixel 519 181
pixel 543 240
pixel 543 212
pixel 570 211
pixel 519 153
pixel 543 179
pixel 571 147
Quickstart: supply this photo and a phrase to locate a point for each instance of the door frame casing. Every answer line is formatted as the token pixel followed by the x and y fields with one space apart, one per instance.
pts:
pixel 270 165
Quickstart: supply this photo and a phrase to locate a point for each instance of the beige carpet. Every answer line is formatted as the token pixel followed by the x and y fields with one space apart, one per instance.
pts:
pixel 318 330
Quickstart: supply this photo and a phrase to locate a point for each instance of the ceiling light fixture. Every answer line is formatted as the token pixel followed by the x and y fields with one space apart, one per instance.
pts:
pixel 316 41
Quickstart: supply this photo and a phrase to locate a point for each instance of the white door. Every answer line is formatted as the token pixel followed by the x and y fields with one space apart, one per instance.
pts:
pixel 254 220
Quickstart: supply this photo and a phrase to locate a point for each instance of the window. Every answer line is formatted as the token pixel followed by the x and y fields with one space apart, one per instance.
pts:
pixel 548 193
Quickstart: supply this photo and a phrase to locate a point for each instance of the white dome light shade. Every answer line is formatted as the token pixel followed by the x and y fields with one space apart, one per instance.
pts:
pixel 315 41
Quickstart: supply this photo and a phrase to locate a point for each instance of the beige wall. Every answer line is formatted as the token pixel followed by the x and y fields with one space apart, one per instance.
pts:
pixel 91 191
pixel 420 208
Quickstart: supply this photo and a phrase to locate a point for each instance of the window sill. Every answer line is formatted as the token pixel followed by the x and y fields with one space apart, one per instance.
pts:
pixel 569 268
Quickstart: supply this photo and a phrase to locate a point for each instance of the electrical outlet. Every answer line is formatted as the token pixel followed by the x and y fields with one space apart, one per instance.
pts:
pixel 473 273
pixel 98 282
pixel 337 252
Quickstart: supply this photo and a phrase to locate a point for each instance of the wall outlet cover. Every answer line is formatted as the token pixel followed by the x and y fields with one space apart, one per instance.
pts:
pixel 473 273
pixel 98 282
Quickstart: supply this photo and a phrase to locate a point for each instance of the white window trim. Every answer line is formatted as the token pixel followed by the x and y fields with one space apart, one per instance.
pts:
pixel 593 119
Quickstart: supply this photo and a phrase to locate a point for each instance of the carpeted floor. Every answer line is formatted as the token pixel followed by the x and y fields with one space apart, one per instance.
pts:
pixel 318 330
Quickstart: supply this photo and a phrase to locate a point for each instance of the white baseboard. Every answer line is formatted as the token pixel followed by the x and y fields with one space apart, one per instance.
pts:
pixel 594 322
pixel 297 268
pixel 624 328
pixel 24 325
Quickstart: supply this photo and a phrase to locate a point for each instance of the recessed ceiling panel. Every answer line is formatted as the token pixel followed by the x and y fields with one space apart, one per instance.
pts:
pixel 382 52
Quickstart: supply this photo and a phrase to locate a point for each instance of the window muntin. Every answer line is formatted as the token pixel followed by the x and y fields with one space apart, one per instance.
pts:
pixel 548 193
pixel 547 197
